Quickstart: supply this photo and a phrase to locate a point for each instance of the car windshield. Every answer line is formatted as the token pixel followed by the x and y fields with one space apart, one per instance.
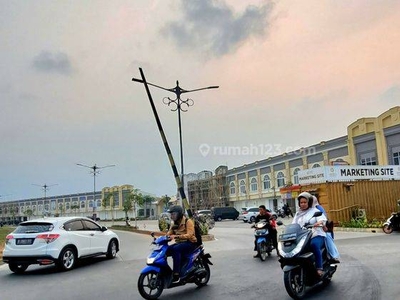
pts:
pixel 34 228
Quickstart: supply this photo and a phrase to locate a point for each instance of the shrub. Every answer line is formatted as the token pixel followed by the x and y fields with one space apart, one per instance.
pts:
pixel 362 223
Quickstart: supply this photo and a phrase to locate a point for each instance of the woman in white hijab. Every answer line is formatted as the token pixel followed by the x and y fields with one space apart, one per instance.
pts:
pixel 329 243
pixel 304 215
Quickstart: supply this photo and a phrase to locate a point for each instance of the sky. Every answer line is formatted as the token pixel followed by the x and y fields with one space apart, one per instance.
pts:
pixel 290 74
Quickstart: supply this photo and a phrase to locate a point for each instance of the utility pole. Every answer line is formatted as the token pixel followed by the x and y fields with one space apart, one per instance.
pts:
pixel 95 170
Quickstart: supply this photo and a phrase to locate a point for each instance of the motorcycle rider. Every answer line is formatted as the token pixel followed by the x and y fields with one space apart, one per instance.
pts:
pixel 304 215
pixel 329 242
pixel 287 210
pixel 182 231
pixel 271 225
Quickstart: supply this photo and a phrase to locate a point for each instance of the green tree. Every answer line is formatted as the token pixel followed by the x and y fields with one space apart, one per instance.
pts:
pixel 74 207
pixel 137 200
pixel 28 213
pixel 108 202
pixel 164 201
pixel 61 209
pixel 126 207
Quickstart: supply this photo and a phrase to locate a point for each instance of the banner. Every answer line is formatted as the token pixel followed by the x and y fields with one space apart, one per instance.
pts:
pixel 348 173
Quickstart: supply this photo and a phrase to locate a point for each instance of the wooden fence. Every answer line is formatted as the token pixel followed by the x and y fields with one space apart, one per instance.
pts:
pixel 344 200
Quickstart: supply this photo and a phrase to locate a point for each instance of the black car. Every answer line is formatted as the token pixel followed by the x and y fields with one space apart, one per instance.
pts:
pixel 227 212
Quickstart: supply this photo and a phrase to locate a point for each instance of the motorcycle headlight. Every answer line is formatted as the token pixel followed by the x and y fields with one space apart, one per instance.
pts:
pixel 150 260
pixel 295 251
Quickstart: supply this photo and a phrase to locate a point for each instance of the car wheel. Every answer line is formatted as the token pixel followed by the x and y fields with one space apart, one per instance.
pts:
pixel 18 268
pixel 112 249
pixel 219 219
pixel 67 259
pixel 252 219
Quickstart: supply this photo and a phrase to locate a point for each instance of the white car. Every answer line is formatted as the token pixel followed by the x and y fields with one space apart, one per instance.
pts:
pixel 60 241
pixel 250 214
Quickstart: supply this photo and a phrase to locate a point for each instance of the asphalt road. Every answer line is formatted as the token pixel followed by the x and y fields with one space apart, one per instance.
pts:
pixel 368 270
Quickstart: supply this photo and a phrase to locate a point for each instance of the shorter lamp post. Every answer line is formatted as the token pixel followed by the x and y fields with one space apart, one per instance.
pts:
pixel 95 170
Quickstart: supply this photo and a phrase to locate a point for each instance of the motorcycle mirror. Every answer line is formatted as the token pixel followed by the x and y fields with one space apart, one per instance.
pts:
pixel 279 223
pixel 317 214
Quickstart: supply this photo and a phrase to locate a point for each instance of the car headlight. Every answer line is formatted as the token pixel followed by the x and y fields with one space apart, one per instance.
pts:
pixel 295 251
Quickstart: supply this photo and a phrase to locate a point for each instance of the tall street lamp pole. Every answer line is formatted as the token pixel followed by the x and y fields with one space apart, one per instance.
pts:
pixel 95 170
pixel 178 102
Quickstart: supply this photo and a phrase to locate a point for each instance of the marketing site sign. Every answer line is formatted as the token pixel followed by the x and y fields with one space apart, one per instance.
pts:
pixel 348 173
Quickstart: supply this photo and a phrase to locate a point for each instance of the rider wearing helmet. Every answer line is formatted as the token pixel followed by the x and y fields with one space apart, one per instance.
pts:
pixel 265 214
pixel 182 231
pixel 304 215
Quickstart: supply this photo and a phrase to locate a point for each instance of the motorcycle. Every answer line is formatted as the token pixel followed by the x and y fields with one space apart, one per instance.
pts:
pixel 392 223
pixel 284 212
pixel 157 275
pixel 263 241
pixel 281 213
pixel 297 260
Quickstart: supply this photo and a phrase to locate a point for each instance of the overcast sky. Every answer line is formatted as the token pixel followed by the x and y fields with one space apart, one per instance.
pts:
pixel 291 74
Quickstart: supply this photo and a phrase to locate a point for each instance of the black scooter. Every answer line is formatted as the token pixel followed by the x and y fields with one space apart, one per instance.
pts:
pixel 298 262
pixel 392 223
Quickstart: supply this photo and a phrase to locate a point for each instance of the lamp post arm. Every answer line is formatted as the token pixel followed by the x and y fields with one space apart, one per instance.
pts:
pixel 195 90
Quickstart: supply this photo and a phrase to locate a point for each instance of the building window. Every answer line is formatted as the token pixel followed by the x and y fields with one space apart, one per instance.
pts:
pixel 280 179
pixel 266 182
pixel 253 185
pixel 242 187
pixel 315 166
pixel 91 203
pixel 232 188
pixel 83 204
pixel 396 158
pixel 368 159
pixel 296 176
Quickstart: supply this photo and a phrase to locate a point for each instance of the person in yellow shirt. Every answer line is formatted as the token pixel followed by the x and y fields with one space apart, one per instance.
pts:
pixel 183 233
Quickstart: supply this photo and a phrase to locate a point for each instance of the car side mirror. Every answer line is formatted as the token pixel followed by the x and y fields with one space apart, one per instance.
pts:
pixel 104 228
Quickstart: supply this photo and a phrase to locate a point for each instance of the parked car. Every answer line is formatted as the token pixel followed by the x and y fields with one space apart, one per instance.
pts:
pixel 250 214
pixel 227 212
pixel 202 212
pixel 242 213
pixel 61 241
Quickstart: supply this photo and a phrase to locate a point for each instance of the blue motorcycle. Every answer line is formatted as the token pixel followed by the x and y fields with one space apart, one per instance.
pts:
pixel 157 275
pixel 263 240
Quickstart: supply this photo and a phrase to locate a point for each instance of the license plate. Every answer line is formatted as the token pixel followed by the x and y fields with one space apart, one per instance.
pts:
pixel 24 241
